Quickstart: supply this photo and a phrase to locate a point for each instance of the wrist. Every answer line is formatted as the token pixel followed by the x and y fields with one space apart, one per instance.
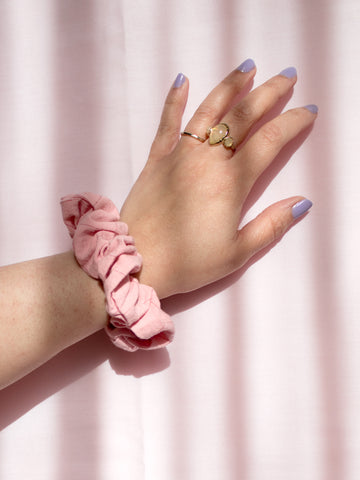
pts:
pixel 106 252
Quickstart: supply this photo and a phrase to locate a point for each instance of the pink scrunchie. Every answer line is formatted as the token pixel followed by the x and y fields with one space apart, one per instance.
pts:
pixel 105 251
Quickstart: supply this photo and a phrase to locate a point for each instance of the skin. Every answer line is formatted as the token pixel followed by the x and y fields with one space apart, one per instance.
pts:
pixel 183 211
pixel 47 305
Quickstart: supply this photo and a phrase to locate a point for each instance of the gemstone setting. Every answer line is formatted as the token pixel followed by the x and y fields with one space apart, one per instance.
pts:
pixel 220 134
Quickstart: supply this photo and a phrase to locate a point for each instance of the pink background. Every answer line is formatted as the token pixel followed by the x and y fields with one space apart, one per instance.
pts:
pixel 261 381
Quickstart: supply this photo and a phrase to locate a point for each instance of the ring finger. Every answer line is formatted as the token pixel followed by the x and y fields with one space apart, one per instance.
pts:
pixel 247 112
pixel 257 103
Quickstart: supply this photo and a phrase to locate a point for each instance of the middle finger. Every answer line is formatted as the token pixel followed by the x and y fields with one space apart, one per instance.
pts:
pixel 257 103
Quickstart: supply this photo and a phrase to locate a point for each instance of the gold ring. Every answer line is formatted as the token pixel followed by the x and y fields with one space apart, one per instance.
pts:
pixel 193 136
pixel 220 134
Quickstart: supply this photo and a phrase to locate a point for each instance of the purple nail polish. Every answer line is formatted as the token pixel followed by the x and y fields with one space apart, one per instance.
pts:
pixel 246 66
pixel 300 208
pixel 179 80
pixel 312 108
pixel 289 72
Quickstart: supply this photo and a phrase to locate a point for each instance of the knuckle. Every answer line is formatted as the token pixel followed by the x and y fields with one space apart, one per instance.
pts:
pixel 205 112
pixel 272 134
pixel 172 100
pixel 275 83
pixel 244 112
pixel 167 130
pixel 277 227
pixel 277 86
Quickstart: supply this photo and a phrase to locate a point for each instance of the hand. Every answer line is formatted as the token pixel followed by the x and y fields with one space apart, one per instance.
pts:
pixel 185 207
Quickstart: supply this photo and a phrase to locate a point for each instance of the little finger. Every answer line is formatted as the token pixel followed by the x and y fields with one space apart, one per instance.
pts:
pixel 262 148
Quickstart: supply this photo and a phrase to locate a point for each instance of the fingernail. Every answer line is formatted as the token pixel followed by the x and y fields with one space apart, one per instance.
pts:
pixel 300 208
pixel 312 108
pixel 246 66
pixel 179 80
pixel 289 72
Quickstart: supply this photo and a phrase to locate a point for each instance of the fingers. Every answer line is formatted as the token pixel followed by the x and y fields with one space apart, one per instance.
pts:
pixel 247 112
pixel 168 132
pixel 257 103
pixel 269 227
pixel 261 149
pixel 217 103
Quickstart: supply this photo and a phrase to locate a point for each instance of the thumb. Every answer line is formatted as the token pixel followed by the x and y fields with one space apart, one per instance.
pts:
pixel 270 226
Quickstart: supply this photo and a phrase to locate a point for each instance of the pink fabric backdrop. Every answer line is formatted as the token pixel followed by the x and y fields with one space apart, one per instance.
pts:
pixel 262 379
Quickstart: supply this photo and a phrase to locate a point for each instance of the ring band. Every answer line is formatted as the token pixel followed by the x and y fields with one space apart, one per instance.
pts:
pixel 217 134
pixel 193 136
pixel 220 134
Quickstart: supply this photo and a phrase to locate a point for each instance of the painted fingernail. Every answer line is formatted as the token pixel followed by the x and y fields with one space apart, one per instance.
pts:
pixel 300 208
pixel 289 72
pixel 246 66
pixel 312 108
pixel 179 80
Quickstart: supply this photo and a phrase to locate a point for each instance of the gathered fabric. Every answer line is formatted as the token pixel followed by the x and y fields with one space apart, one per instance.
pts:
pixel 105 251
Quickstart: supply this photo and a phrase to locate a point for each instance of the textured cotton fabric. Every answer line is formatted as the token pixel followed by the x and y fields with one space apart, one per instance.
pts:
pixel 105 251
pixel 262 380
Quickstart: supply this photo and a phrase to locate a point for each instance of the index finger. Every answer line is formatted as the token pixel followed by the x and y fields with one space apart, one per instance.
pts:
pixel 220 99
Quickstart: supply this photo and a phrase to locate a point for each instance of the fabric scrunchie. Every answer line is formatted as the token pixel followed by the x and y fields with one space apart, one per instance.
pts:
pixel 105 251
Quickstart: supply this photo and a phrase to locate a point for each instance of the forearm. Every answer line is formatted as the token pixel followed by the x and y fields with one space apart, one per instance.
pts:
pixel 183 212
pixel 46 305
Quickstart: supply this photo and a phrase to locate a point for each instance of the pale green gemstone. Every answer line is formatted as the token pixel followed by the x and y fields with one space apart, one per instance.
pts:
pixel 228 142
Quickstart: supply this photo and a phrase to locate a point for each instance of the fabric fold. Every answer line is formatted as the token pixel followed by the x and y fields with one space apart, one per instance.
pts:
pixel 105 251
